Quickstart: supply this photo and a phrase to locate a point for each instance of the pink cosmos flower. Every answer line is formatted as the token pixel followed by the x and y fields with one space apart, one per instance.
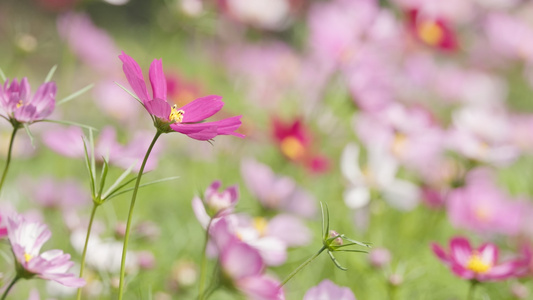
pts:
pixel 482 207
pixel 479 264
pixel 276 192
pixel 187 119
pixel 18 106
pixel 243 265
pixel 27 238
pixel 214 203
pixel 328 290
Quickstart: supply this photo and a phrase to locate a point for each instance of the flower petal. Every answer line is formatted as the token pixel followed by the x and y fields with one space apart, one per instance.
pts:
pixel 460 250
pixel 159 108
pixel 202 108
pixel 158 80
pixel 135 77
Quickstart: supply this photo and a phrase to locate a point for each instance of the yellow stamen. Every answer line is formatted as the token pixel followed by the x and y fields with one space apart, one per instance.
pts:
pixel 27 257
pixel 292 148
pixel 261 225
pixel 477 265
pixel 19 104
pixel 399 144
pixel 482 213
pixel 176 116
pixel 430 32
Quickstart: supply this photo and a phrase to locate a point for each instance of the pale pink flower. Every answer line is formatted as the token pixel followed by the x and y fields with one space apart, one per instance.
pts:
pixel 482 207
pixel 328 290
pixel 19 106
pixel 215 204
pixel 26 239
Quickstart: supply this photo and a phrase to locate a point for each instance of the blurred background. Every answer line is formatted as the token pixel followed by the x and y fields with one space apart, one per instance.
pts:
pixel 412 119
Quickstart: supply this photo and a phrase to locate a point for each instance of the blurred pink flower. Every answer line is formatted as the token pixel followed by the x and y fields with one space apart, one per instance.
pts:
pixel 482 207
pixel 187 119
pixel 94 46
pixel 479 264
pixel 66 194
pixel 434 31
pixel 26 239
pixel 276 192
pixel 327 290
pixel 244 265
pixel 379 257
pixel 69 142
pixel 215 204
pixel 265 14
pixel 17 105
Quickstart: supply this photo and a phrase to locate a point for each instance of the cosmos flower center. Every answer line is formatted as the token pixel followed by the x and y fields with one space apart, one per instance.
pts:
pixel 292 147
pixel 430 32
pixel 399 144
pixel 27 257
pixel 19 104
pixel 483 213
pixel 477 265
pixel 176 116
pixel 260 224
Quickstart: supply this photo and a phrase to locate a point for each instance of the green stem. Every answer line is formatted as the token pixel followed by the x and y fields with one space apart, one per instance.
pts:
pixel 10 286
pixel 8 160
pixel 82 267
pixel 130 215
pixel 204 263
pixel 471 290
pixel 305 263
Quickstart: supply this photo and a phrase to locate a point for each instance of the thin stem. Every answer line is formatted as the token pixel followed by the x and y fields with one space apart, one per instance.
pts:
pixel 305 263
pixel 8 160
pixel 204 263
pixel 130 215
pixel 82 267
pixel 10 286
pixel 471 290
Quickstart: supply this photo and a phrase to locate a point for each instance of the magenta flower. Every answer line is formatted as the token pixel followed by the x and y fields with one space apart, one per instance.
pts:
pixel 27 238
pixel 479 264
pixel 187 119
pixel 328 290
pixel 19 107
pixel 3 229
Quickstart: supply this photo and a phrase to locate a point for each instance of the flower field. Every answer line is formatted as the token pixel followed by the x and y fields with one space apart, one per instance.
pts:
pixel 266 149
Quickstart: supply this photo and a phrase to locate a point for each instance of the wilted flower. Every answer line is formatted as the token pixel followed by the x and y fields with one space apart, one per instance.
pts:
pixel 17 105
pixel 26 239
pixel 187 119
pixel 479 264
pixel 328 290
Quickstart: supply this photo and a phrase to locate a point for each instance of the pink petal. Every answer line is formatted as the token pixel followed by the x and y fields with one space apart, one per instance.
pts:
pixel 262 288
pixel 462 272
pixel 441 254
pixel 135 77
pixel 202 108
pixel 328 290
pixel 460 250
pixel 240 260
pixel 489 253
pixel 44 99
pixel 159 108
pixel 158 80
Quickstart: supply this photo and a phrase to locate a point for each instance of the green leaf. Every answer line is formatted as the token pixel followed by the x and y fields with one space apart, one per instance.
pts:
pixel 336 262
pixel 132 94
pixel 144 185
pixel 50 73
pixel 89 169
pixel 27 128
pixel 74 95
pixel 103 176
pixel 118 181
pixel 2 75
pixel 69 123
